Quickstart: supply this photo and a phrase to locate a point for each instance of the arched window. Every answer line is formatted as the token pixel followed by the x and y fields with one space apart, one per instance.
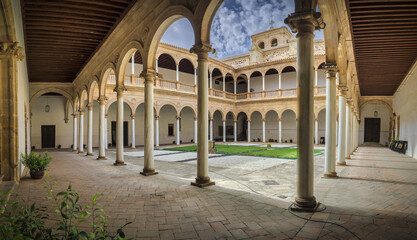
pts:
pixel 261 45
pixel 274 42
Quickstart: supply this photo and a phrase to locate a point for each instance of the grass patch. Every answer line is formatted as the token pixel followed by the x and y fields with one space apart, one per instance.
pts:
pixel 279 153
pixel 248 150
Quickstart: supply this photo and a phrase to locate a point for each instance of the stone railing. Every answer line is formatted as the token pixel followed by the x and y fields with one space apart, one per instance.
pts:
pixel 136 80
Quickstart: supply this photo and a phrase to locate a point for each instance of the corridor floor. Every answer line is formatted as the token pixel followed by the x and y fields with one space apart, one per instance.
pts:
pixel 375 197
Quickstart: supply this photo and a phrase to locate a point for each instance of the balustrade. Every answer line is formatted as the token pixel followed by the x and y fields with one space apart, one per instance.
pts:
pixel 136 80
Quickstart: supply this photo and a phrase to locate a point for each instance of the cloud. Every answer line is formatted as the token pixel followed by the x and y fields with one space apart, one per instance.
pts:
pixel 234 23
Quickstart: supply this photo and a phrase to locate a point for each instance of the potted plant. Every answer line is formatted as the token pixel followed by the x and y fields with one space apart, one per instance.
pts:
pixel 268 146
pixel 36 163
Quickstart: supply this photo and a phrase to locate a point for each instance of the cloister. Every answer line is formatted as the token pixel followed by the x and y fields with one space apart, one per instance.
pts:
pixel 111 95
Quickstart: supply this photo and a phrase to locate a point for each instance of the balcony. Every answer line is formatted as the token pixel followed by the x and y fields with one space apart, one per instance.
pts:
pixel 136 80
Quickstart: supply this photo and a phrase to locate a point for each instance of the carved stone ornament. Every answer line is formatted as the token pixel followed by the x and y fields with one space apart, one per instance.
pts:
pixel 116 58
pixel 66 120
pixel 8 48
pixel 294 19
pixel 330 67
pixel 149 75
pixel 343 90
pixel 202 47
pixel 119 89
pixel 102 100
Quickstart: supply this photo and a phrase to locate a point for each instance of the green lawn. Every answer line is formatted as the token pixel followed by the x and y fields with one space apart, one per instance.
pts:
pixel 249 150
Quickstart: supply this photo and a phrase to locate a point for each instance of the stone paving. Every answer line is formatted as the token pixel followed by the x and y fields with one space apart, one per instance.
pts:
pixel 374 197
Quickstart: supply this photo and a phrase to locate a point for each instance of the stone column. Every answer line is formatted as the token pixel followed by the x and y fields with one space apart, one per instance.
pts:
pixel 280 130
pixel 177 72
pixel 119 126
pixel 195 130
pixel 74 145
pixel 211 129
pixel 156 65
pixel 348 131
pixel 195 76
pixel 305 23
pixel 330 153
pixel 248 84
pixel 90 130
pixel 132 120
pixel 106 145
pixel 263 83
pixel 224 83
pixel 156 131
pixel 235 130
pixel 249 130
pixel 148 165
pixel 202 179
pixel 316 81
pixel 234 86
pixel 263 129
pixel 280 81
pixel 342 126
pixel 178 131
pixel 102 129
pixel 316 132
pixel 81 133
pixel 224 130
pixel 133 64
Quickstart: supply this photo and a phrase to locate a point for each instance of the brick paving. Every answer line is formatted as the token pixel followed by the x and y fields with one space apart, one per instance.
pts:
pixel 375 197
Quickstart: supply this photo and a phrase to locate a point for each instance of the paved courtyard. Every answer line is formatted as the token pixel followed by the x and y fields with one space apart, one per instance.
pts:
pixel 375 196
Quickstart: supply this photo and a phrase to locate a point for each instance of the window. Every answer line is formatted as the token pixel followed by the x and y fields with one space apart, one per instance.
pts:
pixel 261 45
pixel 170 130
pixel 274 42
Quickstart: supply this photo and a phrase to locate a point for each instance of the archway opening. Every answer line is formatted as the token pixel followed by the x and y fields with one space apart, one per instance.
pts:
pixel 271 126
pixel 242 127
pixel 289 126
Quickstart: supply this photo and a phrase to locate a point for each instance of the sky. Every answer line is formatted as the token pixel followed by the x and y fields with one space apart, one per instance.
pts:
pixel 234 23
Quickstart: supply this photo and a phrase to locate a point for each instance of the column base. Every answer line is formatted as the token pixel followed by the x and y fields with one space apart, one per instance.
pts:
pixel 330 175
pixel 101 158
pixel 132 148
pixel 80 151
pixel 306 205
pixel 348 157
pixel 156 147
pixel 119 163
pixel 341 163
pixel 89 154
pixel 148 172
pixel 202 182
pixel 74 150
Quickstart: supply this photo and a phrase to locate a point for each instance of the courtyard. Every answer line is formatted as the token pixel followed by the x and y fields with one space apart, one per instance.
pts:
pixel 373 196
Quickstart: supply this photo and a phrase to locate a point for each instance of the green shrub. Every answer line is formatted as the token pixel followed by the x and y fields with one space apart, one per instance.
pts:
pixel 36 162
pixel 20 221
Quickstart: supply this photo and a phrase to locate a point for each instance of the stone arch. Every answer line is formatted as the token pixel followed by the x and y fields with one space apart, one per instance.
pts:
pixel 207 10
pixel 75 104
pixel 255 111
pixel 331 31
pixel 319 109
pixel 83 96
pixel 126 54
pixel 270 71
pixel 161 24
pixel 189 106
pixel 169 55
pixel 287 109
pixel 188 59
pixel 272 110
pixel 48 90
pixel 168 104
pixel 91 88
pixel 105 72
pixel 288 68
pixel 320 66
pixel 221 113
pixel 377 101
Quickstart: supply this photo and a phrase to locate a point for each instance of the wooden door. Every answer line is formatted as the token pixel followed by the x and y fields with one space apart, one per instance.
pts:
pixel 372 129
pixel 125 134
pixel 48 136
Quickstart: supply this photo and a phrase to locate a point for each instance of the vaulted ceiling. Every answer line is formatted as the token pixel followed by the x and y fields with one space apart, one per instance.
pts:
pixel 61 35
pixel 385 43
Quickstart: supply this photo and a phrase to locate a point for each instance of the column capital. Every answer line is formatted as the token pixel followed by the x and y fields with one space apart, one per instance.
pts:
pixel 102 100
pixel 248 120
pixel 11 49
pixel 149 75
pixel 81 111
pixel 178 117
pixel 202 47
pixel 65 120
pixel 298 22
pixel 224 120
pixel 105 115
pixel 90 106
pixel 263 119
pixel 343 90
pixel 132 117
pixel 156 117
pixel 119 89
pixel 279 119
pixel 235 121
pixel 330 67
pixel 75 114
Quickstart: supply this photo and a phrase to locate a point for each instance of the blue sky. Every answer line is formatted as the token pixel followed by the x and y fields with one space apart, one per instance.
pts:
pixel 235 22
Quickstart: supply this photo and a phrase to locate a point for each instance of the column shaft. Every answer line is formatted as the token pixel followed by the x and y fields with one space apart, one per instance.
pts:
pixel 211 129
pixel 330 153
pixel 90 131
pixel 195 130
pixel 74 145
pixel 102 129
pixel 157 131
pixel 177 71
pixel 178 131
pixel 224 130
pixel 279 81
pixel 81 134
pixel 119 127
pixel 133 132
pixel 342 130
pixel 202 178
pixel 263 130
pixel 224 83
pixel 280 130
pixel 106 145
pixel 148 160
pixel 249 131
pixel 348 131
pixel 316 132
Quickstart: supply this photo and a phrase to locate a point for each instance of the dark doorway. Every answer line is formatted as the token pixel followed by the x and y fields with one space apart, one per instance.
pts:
pixel 125 134
pixel 372 129
pixel 48 136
